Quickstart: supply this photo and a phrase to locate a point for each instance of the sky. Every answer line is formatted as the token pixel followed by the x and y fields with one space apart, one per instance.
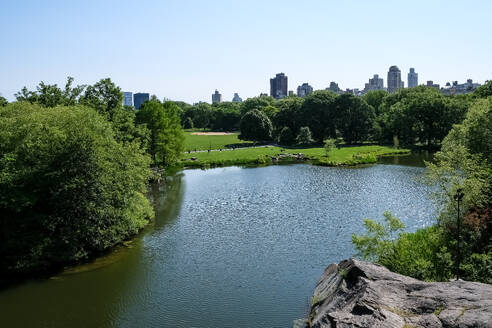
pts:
pixel 184 50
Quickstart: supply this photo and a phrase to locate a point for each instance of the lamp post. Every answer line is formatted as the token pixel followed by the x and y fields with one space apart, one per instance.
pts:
pixel 458 197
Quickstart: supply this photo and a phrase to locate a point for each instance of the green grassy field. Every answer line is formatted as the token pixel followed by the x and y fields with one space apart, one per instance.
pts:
pixel 203 142
pixel 268 155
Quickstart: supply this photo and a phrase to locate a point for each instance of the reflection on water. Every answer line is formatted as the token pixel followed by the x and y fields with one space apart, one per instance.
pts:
pixel 230 247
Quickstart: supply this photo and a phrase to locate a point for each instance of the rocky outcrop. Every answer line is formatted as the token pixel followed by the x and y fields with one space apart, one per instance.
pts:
pixel 361 294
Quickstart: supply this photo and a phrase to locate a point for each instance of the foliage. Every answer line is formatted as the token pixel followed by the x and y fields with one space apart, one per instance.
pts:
pixel 50 95
pixel 286 137
pixel 256 126
pixel 3 102
pixel 188 123
pixel 419 255
pixel 354 119
pixel 68 189
pixel 304 137
pixel 375 98
pixel 319 114
pixel 329 145
pixel 166 135
pixel 258 103
pixel 484 91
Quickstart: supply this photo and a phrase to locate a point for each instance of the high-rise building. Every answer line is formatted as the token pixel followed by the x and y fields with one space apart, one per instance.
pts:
pixel 139 99
pixel 304 90
pixel 127 99
pixel 216 97
pixel 376 83
pixel 394 79
pixel 236 98
pixel 413 78
pixel 278 86
pixel 431 84
pixel 334 87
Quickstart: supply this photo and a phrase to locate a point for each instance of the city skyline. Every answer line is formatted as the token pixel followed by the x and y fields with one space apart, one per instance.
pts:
pixel 89 44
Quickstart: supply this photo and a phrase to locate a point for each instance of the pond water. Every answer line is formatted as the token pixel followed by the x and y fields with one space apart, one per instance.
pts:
pixel 230 247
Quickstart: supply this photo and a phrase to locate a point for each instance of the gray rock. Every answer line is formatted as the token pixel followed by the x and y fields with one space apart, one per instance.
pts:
pixel 361 294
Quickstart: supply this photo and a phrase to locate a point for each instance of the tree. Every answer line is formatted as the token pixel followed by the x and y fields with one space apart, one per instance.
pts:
pixel 202 115
pixel 375 98
pixel 329 145
pixel 105 97
pixel 256 103
pixel 188 124
pixel 354 119
pixel 255 126
pixel 420 115
pixel 166 135
pixel 484 91
pixel 3 102
pixel 319 114
pixel 288 114
pixel 304 137
pixel 50 95
pixel 286 137
pixel 68 189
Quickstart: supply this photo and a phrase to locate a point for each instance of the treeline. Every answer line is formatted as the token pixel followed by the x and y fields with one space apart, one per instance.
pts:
pixel 74 168
pixel 416 116
pixel 461 241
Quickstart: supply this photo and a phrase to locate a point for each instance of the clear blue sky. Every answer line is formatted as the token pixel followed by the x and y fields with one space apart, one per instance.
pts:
pixel 184 50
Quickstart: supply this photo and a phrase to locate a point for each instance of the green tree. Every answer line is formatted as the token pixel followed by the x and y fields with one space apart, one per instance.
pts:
pixel 68 189
pixel 375 99
pixel 255 126
pixel 50 95
pixel 258 103
pixel 3 102
pixel 105 97
pixel 202 115
pixel 318 112
pixel 289 114
pixel 329 145
pixel 354 118
pixel 286 137
pixel 304 137
pixel 166 135
pixel 484 91
pixel 188 124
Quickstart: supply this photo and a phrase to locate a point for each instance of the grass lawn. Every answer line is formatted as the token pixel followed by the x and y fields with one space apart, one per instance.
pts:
pixel 203 142
pixel 263 155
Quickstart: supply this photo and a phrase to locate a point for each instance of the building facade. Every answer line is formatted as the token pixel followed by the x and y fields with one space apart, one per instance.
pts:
pixel 394 79
pixel 236 98
pixel 456 89
pixel 413 78
pixel 431 84
pixel 376 83
pixel 304 90
pixel 139 99
pixel 278 86
pixel 128 99
pixel 216 97
pixel 334 87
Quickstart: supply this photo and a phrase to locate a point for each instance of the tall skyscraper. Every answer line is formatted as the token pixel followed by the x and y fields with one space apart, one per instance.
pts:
pixel 216 97
pixel 127 99
pixel 376 83
pixel 394 79
pixel 304 90
pixel 278 86
pixel 139 99
pixel 236 98
pixel 413 78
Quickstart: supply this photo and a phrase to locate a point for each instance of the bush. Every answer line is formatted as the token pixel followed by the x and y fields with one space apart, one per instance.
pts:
pixel 304 137
pixel 420 255
pixel 67 189
pixel 255 126
pixel 286 136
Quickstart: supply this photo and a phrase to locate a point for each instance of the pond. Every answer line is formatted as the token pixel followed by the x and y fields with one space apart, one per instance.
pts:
pixel 230 247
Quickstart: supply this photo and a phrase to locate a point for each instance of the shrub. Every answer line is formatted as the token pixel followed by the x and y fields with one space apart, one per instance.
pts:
pixel 304 137
pixel 286 136
pixel 68 189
